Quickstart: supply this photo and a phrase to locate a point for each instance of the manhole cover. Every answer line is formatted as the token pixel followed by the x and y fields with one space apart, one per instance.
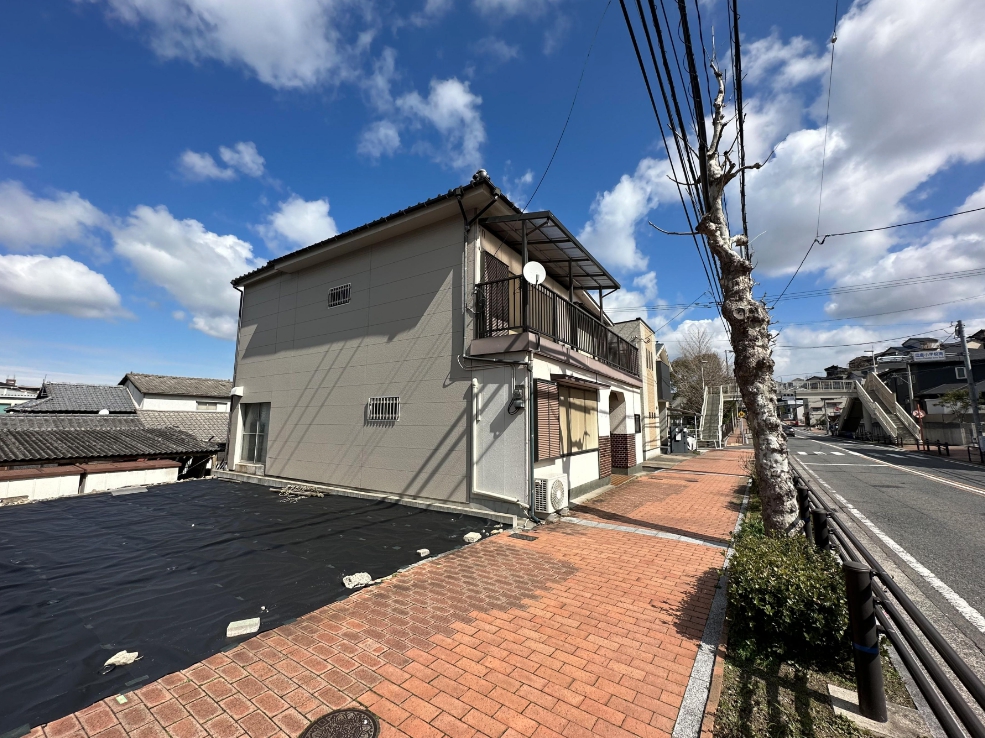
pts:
pixel 344 724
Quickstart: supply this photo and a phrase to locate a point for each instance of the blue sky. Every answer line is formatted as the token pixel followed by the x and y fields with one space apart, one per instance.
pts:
pixel 151 150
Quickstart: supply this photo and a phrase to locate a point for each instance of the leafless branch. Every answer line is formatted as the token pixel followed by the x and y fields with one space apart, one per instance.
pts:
pixel 673 233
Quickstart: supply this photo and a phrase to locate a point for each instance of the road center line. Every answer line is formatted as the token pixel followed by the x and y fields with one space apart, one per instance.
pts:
pixel 960 604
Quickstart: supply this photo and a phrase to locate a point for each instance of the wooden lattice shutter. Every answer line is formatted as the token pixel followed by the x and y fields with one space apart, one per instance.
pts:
pixel 548 421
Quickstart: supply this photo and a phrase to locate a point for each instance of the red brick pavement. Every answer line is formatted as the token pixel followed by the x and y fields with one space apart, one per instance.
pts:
pixel 583 631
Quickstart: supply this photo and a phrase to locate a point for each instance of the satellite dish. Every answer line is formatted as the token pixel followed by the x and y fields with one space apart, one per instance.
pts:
pixel 534 272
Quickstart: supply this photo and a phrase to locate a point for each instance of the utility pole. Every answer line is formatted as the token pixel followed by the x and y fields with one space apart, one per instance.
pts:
pixel 972 391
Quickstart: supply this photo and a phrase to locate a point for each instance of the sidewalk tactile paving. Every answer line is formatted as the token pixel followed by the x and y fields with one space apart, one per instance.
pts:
pixel 582 631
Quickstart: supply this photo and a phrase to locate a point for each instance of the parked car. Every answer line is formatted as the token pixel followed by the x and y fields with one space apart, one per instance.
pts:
pixel 788 431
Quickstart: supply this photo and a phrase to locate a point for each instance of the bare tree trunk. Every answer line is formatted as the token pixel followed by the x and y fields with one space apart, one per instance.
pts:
pixel 749 321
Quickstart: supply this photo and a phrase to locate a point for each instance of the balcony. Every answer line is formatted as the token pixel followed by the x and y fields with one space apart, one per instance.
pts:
pixel 512 305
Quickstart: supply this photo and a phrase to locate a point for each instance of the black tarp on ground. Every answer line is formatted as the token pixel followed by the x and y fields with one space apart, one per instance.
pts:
pixel 164 571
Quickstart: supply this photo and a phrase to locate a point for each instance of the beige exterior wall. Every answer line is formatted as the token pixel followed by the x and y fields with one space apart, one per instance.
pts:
pixel 641 335
pixel 317 366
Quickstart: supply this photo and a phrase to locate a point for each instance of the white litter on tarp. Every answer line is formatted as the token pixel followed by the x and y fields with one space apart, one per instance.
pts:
pixel 122 658
pixel 422 552
pixel 127 491
pixel 242 627
pixel 354 581
pixel 472 537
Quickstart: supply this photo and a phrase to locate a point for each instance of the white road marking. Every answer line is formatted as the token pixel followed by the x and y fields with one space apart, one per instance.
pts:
pixel 942 480
pixel 960 604
pixel 897 456
pixel 846 463
pixel 837 453
pixel 819 453
pixel 802 453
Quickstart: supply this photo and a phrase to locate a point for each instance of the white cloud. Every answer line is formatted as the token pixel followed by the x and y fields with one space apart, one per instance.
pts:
pixel 198 167
pixel 432 11
pixel 636 301
pixel 30 222
pixel 300 222
pixel 36 284
pixel 554 35
pixel 515 188
pixel 901 67
pixel 617 213
pixel 23 160
pixel 453 109
pixel 287 44
pixel 381 138
pixel 241 158
pixel 511 8
pixel 496 49
pixel 244 157
pixel 193 264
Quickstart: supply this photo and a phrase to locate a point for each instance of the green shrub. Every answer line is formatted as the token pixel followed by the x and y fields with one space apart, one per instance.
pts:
pixel 786 599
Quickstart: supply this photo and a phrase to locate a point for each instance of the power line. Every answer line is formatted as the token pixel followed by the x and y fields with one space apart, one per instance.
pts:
pixel 892 312
pixel 571 109
pixel 680 313
pixel 899 225
pixel 846 289
pixel 824 154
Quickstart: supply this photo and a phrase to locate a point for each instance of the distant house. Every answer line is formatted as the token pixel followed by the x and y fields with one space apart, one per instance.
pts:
pixel 12 394
pixel 189 394
pixel 408 357
pixel 656 389
pixel 81 438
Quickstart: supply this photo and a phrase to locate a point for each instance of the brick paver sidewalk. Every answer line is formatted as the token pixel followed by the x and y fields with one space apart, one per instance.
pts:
pixel 583 631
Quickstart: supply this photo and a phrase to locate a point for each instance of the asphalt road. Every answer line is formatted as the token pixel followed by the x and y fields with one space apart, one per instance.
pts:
pixel 912 498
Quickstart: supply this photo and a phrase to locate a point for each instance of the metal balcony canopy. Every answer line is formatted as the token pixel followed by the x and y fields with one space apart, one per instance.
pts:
pixel 550 243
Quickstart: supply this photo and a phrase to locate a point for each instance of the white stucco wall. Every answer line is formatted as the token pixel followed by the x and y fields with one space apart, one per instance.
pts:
pixel 118 480
pixel 44 488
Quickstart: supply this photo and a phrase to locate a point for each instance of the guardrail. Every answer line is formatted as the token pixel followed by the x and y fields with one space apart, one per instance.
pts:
pixel 873 598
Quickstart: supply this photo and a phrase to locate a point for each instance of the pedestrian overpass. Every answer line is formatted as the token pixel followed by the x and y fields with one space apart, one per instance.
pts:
pixel 868 406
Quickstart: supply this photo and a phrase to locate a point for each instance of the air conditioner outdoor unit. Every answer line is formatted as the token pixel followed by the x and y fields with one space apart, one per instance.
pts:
pixel 551 493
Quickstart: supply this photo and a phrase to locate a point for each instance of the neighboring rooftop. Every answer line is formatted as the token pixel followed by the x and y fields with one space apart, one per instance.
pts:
pixel 943 389
pixel 162 384
pixel 204 426
pixel 39 446
pixel 56 397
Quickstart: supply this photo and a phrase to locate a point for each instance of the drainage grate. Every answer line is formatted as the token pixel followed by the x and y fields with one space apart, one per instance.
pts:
pixel 348 723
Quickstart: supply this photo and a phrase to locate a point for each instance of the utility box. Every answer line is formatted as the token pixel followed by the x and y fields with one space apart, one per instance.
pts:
pixel 678 440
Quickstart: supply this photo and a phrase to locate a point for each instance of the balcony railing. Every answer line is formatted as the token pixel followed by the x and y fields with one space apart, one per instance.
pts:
pixel 502 308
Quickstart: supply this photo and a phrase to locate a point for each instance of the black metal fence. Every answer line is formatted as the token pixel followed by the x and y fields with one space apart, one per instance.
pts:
pixel 507 305
pixel 872 592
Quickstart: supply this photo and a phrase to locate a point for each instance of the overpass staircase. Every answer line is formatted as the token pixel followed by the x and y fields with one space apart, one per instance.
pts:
pixel 712 414
pixel 881 404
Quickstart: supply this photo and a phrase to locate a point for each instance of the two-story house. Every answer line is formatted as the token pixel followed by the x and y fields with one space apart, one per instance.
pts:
pixel 656 393
pixel 409 357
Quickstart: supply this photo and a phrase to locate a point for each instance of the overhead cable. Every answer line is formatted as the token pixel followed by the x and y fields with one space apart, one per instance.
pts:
pixel 570 109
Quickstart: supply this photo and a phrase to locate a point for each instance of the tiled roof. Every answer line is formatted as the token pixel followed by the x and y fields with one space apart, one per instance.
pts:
pixel 162 384
pixel 77 445
pixel 943 389
pixel 58 422
pixel 203 425
pixel 56 397
pixel 480 178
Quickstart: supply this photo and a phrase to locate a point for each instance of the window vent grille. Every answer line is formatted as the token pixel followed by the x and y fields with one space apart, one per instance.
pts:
pixel 339 295
pixel 384 409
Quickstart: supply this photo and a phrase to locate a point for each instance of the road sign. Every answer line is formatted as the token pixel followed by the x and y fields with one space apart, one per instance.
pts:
pixel 918 413
pixel 927 355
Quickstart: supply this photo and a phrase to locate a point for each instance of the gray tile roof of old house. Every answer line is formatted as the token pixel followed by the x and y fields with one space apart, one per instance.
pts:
pixel 162 384
pixel 27 446
pixel 205 426
pixel 57 397
pixel 73 422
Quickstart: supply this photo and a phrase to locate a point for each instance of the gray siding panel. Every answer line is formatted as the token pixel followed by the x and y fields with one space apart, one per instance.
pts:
pixel 399 335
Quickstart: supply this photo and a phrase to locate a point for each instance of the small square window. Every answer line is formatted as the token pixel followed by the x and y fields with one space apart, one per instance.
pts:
pixel 339 295
pixel 209 406
pixel 383 410
pixel 638 423
pixel 960 372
